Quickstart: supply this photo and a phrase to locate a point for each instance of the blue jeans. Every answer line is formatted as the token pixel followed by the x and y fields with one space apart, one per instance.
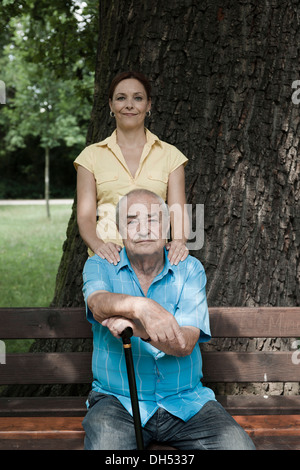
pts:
pixel 109 426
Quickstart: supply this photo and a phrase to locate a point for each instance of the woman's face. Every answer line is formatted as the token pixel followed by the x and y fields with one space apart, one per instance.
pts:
pixel 130 103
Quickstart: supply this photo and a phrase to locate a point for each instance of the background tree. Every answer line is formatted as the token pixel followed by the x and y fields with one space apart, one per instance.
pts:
pixel 47 64
pixel 42 107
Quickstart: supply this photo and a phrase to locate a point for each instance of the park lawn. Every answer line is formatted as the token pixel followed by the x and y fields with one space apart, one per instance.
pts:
pixel 30 253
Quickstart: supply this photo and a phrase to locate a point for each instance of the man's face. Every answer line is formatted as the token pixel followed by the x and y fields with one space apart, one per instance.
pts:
pixel 143 225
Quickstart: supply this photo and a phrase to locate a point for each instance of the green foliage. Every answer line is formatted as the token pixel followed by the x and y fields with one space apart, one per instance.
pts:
pixel 47 56
pixel 39 103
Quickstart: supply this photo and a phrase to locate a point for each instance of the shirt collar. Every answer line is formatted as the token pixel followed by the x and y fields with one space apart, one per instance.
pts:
pixel 124 262
pixel 111 141
pixel 152 138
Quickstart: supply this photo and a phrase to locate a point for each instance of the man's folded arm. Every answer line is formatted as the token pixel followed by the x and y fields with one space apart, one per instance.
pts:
pixel 159 324
pixel 104 304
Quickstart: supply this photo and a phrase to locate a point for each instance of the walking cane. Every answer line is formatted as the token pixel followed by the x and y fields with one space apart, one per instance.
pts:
pixel 126 335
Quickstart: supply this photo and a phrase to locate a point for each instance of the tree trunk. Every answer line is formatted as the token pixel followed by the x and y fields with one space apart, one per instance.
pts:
pixel 222 76
pixel 47 181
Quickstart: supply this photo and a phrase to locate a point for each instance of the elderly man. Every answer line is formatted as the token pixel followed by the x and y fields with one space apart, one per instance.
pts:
pixel 166 308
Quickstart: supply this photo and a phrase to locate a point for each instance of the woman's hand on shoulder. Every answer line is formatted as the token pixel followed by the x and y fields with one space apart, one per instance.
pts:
pixel 177 251
pixel 109 251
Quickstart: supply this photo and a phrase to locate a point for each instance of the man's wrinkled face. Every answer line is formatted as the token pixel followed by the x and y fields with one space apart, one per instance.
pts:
pixel 143 225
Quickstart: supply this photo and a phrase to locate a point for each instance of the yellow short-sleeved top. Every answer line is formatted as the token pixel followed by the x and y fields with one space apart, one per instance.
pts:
pixel 114 179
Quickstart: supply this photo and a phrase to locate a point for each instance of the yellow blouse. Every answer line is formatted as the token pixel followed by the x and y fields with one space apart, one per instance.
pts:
pixel 114 179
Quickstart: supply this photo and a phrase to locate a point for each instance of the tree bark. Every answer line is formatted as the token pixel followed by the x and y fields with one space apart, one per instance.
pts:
pixel 47 181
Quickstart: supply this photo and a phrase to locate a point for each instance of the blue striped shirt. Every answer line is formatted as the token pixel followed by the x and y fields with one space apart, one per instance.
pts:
pixel 173 383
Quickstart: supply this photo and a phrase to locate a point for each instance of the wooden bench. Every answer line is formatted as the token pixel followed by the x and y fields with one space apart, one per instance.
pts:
pixel 273 422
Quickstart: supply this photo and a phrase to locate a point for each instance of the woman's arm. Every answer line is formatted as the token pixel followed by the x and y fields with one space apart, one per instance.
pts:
pixel 180 226
pixel 86 217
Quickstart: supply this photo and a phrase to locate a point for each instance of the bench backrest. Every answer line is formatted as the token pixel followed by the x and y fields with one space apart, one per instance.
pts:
pixel 219 366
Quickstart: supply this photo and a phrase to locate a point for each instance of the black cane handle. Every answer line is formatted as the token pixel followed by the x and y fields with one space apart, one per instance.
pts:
pixel 126 335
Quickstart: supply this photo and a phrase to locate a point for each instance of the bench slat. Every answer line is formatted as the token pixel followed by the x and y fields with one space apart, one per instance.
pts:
pixel 62 368
pixel 70 443
pixel 261 322
pixel 277 442
pixel 285 430
pixel 226 322
pixel 46 368
pixel 272 425
pixel 42 406
pixel 260 405
pixel 75 406
pixel 250 367
pixel 44 323
pixel 42 427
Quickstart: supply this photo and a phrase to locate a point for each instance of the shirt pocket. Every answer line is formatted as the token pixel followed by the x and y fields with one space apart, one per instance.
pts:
pixel 157 182
pixel 156 175
pixel 107 186
pixel 106 177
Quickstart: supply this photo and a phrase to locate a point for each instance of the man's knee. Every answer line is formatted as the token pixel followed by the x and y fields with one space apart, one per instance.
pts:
pixel 234 437
pixel 228 434
pixel 108 426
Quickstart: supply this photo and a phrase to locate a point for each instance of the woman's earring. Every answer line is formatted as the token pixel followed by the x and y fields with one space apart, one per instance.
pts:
pixel 112 114
pixel 148 113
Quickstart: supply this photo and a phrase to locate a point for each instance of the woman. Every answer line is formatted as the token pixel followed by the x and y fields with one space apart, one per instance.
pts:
pixel 132 157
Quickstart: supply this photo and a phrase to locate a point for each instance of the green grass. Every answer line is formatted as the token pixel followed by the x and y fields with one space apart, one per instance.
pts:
pixel 30 252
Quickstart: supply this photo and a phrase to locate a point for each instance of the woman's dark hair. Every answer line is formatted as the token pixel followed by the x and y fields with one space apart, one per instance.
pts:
pixel 124 76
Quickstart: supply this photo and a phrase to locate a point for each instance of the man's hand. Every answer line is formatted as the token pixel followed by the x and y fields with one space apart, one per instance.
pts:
pixel 117 325
pixel 159 324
